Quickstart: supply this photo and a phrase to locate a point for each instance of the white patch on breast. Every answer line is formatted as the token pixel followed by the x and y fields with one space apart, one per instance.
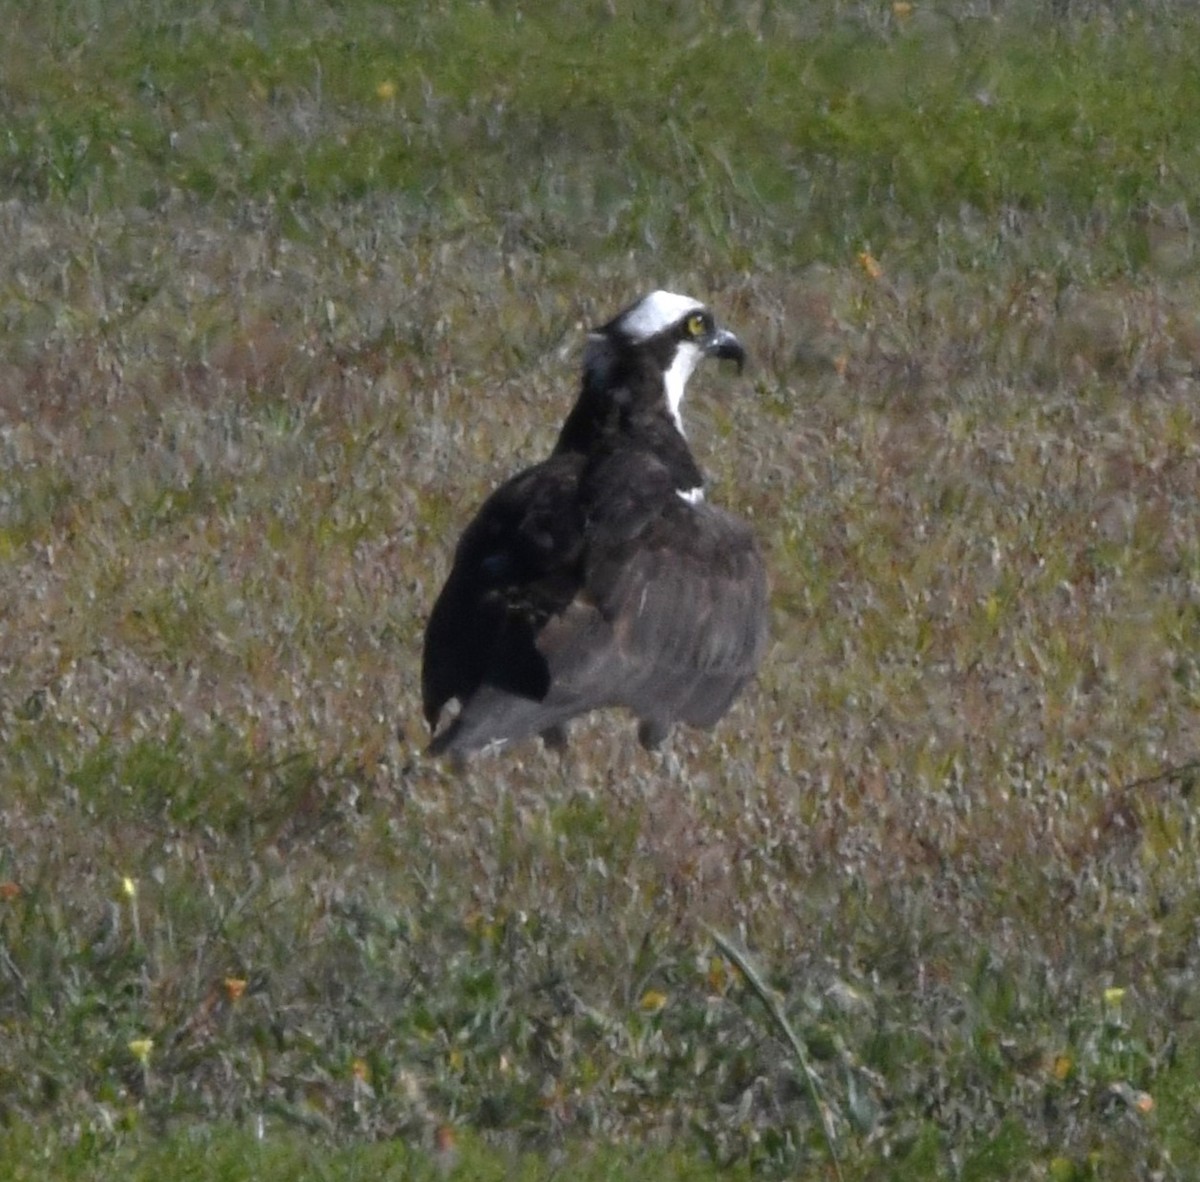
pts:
pixel 693 496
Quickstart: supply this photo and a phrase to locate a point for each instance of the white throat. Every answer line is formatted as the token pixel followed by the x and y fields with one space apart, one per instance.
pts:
pixel 675 380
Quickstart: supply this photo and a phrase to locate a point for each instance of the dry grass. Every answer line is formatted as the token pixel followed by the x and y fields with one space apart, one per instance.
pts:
pixel 236 442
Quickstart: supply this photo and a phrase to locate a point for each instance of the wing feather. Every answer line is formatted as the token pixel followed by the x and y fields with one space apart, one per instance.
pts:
pixel 516 565
pixel 689 612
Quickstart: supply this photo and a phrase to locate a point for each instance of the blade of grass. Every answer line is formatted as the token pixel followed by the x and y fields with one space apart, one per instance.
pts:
pixel 774 1007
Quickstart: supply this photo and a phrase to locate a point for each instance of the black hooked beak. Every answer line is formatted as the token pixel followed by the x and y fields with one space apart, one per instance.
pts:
pixel 725 346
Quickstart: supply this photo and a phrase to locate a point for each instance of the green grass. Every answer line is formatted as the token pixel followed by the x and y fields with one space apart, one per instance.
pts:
pixel 223 1153
pixel 286 288
pixel 796 133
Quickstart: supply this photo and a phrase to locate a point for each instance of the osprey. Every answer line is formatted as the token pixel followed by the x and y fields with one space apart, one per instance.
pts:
pixel 601 577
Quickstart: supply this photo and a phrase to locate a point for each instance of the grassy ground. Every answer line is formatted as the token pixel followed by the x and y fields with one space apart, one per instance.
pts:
pixel 286 287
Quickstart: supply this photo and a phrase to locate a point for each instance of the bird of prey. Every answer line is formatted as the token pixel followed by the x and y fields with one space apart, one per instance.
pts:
pixel 601 577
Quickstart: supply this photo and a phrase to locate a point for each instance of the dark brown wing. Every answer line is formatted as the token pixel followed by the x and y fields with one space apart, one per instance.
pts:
pixel 662 609
pixel 517 564
pixel 688 603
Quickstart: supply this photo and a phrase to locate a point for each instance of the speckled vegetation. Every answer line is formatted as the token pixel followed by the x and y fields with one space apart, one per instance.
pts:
pixel 286 288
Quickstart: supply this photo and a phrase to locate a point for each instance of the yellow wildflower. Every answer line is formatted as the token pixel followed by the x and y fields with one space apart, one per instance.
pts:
pixel 870 264
pixel 140 1049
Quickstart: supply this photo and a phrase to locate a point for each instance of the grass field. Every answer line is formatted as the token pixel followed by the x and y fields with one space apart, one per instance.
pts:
pixel 286 288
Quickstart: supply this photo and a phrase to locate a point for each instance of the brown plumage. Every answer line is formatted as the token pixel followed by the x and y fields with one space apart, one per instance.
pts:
pixel 600 577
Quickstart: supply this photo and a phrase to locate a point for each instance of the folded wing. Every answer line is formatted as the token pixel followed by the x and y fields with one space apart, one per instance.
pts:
pixel 582 586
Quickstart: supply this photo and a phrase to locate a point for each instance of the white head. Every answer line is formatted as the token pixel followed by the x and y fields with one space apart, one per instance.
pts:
pixel 658 311
pixel 678 329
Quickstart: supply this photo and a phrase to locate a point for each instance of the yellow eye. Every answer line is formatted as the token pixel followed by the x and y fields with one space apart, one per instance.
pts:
pixel 695 325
